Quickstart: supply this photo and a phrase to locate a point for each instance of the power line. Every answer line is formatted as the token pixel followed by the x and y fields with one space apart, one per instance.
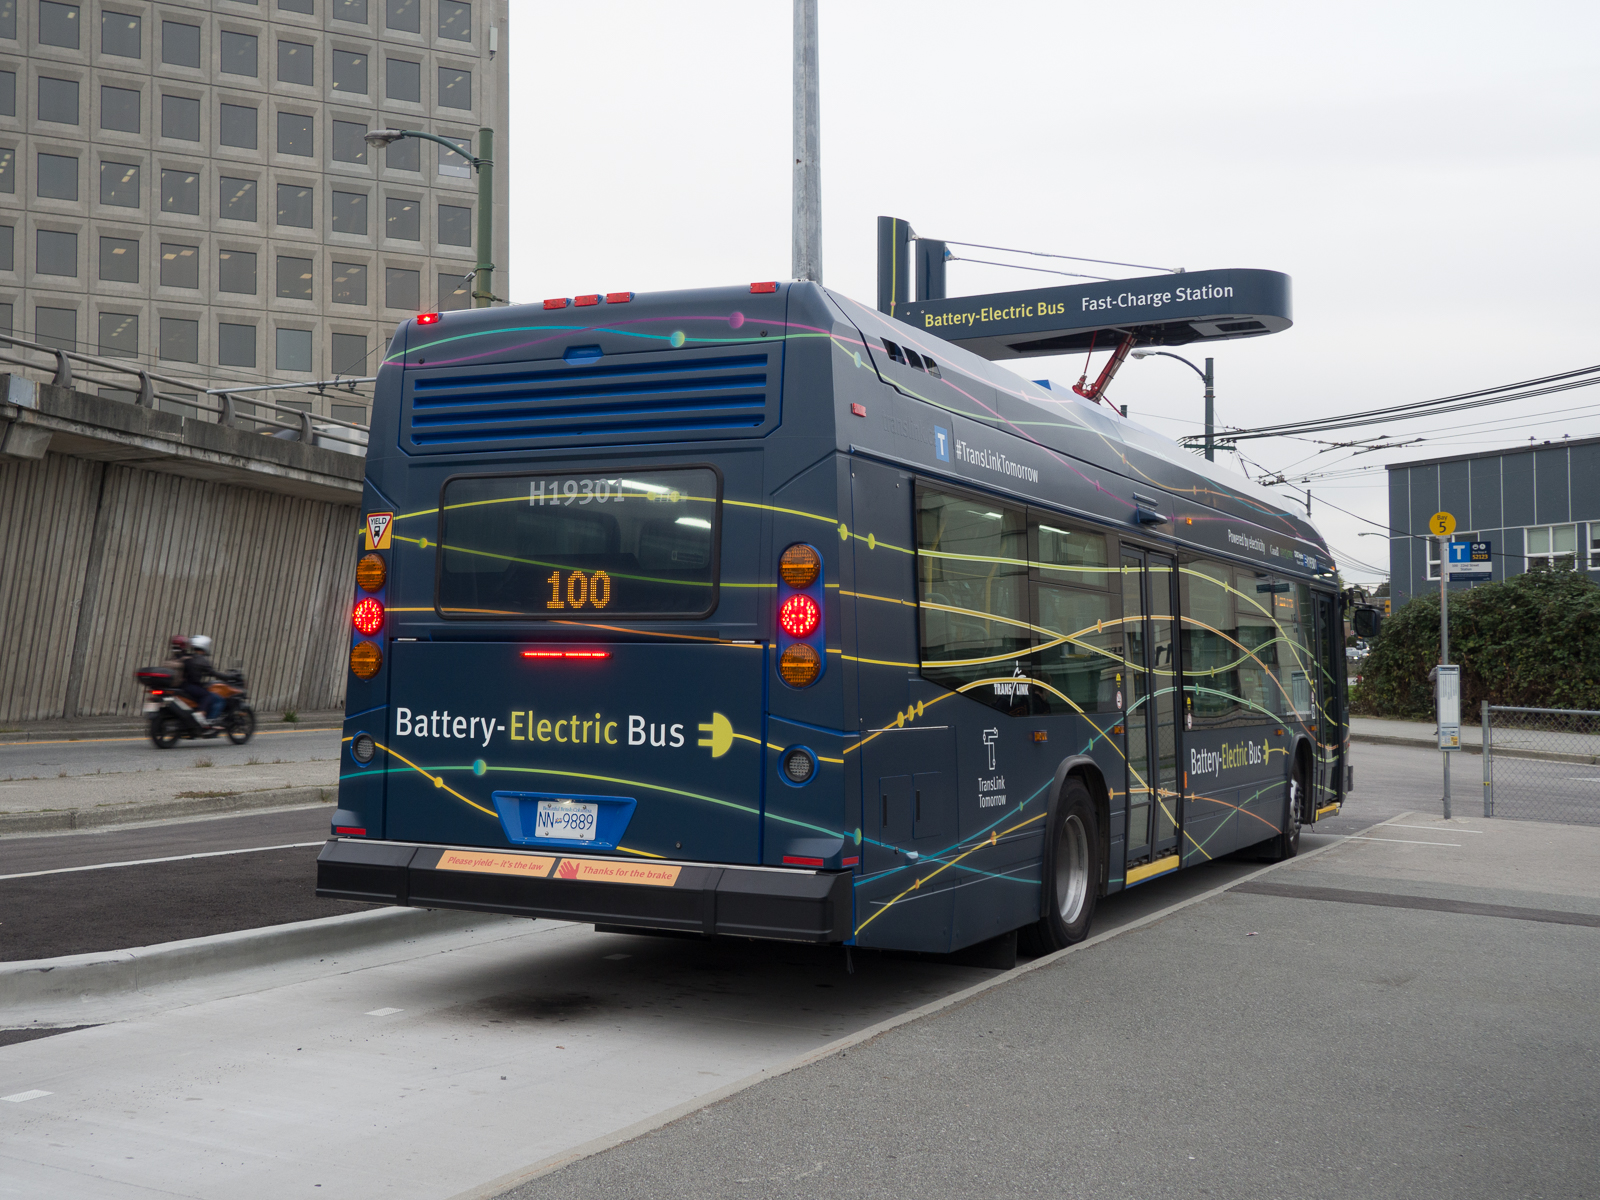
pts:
pixel 1020 267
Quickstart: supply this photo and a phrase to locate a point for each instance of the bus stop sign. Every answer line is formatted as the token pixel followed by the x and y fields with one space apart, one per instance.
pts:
pixel 1159 310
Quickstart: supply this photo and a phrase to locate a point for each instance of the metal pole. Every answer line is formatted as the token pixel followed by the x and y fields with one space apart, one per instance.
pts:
pixel 482 294
pixel 1488 765
pixel 1444 650
pixel 807 146
pixel 1211 414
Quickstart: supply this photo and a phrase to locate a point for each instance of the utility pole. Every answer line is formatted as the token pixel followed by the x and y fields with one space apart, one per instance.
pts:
pixel 807 146
pixel 483 292
pixel 1211 412
pixel 1444 649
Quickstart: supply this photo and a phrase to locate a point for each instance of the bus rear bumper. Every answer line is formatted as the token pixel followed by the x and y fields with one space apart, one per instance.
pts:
pixel 699 898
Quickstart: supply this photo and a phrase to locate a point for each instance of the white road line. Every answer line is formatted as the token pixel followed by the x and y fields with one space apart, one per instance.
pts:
pixel 141 862
pixel 1400 841
pixel 383 1012
pixel 22 1096
pixel 1430 828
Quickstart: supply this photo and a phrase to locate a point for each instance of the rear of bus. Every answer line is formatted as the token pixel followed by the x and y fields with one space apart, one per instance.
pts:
pixel 564 689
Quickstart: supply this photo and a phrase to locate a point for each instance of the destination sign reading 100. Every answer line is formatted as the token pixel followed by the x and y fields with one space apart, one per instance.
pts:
pixel 639 544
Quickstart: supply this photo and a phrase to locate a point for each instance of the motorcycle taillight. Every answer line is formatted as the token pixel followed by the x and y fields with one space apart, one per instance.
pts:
pixel 156 692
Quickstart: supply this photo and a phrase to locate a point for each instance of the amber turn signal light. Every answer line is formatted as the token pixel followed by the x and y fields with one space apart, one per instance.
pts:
pixel 799 665
pixel 799 566
pixel 371 571
pixel 365 660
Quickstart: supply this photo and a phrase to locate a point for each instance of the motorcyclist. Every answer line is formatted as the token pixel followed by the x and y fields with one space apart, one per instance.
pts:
pixel 197 669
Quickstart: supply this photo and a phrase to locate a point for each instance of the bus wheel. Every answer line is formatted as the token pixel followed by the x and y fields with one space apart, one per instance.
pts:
pixel 1071 873
pixel 1287 843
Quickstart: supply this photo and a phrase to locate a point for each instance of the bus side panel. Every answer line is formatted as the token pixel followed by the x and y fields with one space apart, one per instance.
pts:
pixel 1235 784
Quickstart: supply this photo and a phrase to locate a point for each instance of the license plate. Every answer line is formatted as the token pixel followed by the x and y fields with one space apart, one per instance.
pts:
pixel 567 819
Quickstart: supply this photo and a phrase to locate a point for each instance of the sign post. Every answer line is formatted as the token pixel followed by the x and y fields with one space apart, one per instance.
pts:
pixel 1442 525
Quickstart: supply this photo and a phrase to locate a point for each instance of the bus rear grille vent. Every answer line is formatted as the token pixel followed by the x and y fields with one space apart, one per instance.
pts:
pixel 671 397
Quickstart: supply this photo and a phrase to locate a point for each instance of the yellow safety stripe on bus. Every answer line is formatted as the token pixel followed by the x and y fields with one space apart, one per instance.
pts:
pixel 1324 810
pixel 1159 867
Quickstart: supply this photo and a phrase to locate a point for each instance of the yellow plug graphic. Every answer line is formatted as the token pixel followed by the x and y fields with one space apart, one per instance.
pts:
pixel 721 735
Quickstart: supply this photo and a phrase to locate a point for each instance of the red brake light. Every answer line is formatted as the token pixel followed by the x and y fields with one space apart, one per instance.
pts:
pixel 566 654
pixel 618 297
pixel 427 318
pixel 800 860
pixel 349 831
pixel 799 616
pixel 558 302
pixel 759 288
pixel 368 615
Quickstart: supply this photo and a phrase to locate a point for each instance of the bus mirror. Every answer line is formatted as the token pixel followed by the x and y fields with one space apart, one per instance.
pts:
pixel 1365 622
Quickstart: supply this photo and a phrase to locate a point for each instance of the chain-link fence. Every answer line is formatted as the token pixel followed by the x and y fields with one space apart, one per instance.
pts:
pixel 1541 764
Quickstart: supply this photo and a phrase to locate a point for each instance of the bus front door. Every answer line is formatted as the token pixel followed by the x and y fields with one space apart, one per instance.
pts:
pixel 1327 702
pixel 1150 714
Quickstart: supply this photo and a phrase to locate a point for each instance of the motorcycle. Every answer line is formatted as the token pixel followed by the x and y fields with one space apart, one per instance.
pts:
pixel 172 715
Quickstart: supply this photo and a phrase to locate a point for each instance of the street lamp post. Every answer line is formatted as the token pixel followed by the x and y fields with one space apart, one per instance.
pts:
pixel 483 164
pixel 1208 376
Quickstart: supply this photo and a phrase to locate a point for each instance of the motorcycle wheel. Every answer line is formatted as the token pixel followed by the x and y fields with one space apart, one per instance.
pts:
pixel 164 731
pixel 241 726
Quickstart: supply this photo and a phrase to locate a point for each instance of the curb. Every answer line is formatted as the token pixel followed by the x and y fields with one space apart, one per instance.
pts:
pixel 137 730
pixel 111 972
pixel 63 820
pixel 1389 739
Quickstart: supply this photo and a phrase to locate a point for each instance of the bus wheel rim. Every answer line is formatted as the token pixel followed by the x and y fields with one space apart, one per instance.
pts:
pixel 1072 869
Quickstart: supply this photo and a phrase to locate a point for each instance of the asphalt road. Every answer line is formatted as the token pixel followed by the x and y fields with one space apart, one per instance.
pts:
pixel 52 758
pixel 79 911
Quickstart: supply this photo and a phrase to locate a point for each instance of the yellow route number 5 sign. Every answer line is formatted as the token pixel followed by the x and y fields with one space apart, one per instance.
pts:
pixel 1441 524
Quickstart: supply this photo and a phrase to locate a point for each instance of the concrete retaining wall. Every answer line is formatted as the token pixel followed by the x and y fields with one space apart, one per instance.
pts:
pixel 101 560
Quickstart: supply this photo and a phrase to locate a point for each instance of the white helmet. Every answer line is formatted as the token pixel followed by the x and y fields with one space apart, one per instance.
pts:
pixel 200 643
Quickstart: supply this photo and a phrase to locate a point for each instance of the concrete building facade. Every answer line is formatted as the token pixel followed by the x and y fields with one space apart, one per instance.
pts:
pixel 1537 506
pixel 185 183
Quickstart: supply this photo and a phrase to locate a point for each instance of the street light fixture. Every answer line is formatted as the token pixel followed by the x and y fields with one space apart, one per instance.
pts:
pixel 483 164
pixel 1209 377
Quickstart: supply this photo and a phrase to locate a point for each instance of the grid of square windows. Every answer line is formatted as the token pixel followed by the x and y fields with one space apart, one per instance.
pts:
pixel 180 43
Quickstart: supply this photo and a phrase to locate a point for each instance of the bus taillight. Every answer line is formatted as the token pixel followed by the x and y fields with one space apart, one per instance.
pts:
pixel 368 615
pixel 801 643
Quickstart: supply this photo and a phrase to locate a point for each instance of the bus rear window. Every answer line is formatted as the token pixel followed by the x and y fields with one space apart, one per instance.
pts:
pixel 574 545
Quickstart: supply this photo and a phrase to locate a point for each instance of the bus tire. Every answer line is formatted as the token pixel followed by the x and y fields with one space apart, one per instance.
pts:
pixel 1287 843
pixel 1070 885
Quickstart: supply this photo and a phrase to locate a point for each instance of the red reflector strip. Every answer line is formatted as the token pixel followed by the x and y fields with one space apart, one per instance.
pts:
pixel 566 654
pixel 794 860
pixel 849 862
pixel 558 302
pixel 618 297
pixel 586 301
pixel 349 831
pixel 858 410
pixel 427 318
pixel 760 288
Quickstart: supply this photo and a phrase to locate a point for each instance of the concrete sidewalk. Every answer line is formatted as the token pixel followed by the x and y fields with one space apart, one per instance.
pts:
pixel 1407 1014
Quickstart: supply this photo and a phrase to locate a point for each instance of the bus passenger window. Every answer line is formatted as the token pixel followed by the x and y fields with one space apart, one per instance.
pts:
pixel 972 577
pixel 1210 641
pixel 1260 685
pixel 1080 658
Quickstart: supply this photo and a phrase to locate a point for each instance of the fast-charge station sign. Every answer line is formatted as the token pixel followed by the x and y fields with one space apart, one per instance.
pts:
pixel 1161 310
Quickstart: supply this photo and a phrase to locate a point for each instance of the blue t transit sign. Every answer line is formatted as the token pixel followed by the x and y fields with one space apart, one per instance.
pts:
pixel 1471 562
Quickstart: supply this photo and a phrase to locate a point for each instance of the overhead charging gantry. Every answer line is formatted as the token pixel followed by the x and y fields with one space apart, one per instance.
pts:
pixel 1172 309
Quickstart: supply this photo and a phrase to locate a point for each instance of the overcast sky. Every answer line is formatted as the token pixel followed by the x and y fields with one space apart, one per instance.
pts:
pixel 1428 175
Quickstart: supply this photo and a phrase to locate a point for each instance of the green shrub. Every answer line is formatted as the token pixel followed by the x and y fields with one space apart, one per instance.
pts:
pixel 1532 641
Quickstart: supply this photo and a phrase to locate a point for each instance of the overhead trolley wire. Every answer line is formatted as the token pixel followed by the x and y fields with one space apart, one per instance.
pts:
pixel 1529 388
pixel 1104 262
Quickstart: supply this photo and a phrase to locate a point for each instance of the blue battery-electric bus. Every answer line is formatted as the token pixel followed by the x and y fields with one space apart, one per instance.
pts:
pixel 752 612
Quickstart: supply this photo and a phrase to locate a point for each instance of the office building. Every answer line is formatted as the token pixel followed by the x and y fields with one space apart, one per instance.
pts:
pixel 1536 505
pixel 186 183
